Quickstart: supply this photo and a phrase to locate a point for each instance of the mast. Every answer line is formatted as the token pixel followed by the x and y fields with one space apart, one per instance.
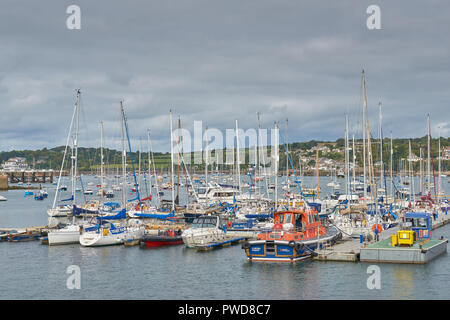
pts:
pixel 369 149
pixel 171 162
pixel 124 159
pixel 410 171
pixel 354 159
pixel 428 158
pixel 347 171
pixel 206 156
pixel 75 145
pixel 65 153
pixel 364 135
pixel 391 172
pixel 381 148
pixel 238 162
pixel 178 158
pixel 439 164
pixel 421 171
pixel 101 158
pixel 149 183
pixel 317 173
pixel 276 142
pixel 153 162
pixel 287 157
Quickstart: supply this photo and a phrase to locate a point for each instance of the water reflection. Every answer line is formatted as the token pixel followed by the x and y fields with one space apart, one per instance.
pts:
pixel 402 282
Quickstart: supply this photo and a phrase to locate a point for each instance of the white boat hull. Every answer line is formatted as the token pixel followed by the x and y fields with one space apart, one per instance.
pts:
pixel 198 237
pixel 96 239
pixel 63 237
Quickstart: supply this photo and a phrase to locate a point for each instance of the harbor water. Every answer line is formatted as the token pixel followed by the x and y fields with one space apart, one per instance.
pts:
pixel 31 270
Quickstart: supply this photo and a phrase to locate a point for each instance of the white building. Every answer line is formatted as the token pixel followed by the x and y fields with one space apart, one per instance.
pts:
pixel 15 164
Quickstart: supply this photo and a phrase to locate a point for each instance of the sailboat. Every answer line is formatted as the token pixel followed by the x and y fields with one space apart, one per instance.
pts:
pixel 333 183
pixel 63 210
pixel 149 212
pixel 106 232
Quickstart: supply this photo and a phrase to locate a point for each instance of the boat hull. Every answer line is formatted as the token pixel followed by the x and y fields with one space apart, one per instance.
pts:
pixel 63 237
pixel 97 240
pixel 287 251
pixel 160 241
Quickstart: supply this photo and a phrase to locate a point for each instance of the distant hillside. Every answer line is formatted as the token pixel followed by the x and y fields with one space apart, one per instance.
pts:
pixel 89 158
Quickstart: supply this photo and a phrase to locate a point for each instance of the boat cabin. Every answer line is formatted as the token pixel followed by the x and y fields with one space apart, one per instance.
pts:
pixel 206 221
pixel 421 223
pixel 294 225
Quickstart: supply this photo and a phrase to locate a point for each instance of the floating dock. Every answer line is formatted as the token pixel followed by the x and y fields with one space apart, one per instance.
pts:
pixel 419 253
pixel 350 250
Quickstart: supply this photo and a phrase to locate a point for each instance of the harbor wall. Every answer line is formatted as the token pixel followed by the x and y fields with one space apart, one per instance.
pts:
pixel 3 182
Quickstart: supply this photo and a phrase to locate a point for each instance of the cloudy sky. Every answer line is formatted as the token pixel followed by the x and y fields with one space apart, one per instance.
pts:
pixel 217 61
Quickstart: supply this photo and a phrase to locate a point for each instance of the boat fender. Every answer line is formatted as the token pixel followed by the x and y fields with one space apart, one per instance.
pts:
pixel 291 244
pixel 298 247
pixel 245 245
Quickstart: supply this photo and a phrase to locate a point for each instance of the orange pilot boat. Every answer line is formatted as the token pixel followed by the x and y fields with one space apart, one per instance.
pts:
pixel 294 237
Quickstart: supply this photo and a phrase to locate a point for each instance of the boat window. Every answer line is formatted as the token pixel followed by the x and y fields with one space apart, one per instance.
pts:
pixel 298 221
pixel 287 218
pixel 207 222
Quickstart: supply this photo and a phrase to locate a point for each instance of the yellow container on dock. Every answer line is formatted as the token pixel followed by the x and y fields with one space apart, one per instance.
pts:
pixel 394 240
pixel 405 237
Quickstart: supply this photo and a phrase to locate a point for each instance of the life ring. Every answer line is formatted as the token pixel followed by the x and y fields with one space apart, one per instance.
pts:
pixel 229 224
pixel 277 226
pixel 378 227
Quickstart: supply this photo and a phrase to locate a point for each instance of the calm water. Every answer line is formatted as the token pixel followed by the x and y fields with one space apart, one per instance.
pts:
pixel 34 271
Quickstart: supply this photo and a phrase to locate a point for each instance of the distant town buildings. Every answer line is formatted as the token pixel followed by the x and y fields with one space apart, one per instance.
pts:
pixel 446 154
pixel 15 164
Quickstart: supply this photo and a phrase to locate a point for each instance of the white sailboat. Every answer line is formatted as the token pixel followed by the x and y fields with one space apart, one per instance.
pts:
pixel 63 210
pixel 110 233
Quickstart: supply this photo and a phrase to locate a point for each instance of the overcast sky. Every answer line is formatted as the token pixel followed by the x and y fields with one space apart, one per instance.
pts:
pixel 217 61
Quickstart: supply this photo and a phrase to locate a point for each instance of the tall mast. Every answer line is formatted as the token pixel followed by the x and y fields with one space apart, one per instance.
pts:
pixel 287 155
pixel 410 171
pixel 64 156
pixel 149 164
pixel 364 134
pixel 124 159
pixel 101 159
pixel 439 164
pixel 317 173
pixel 391 172
pixel 139 161
pixel 421 171
pixel 381 149
pixel 75 145
pixel 276 143
pixel 153 162
pixel 428 151
pixel 178 158
pixel 238 161
pixel 369 148
pixel 171 163
pixel 354 158
pixel 206 155
pixel 347 171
